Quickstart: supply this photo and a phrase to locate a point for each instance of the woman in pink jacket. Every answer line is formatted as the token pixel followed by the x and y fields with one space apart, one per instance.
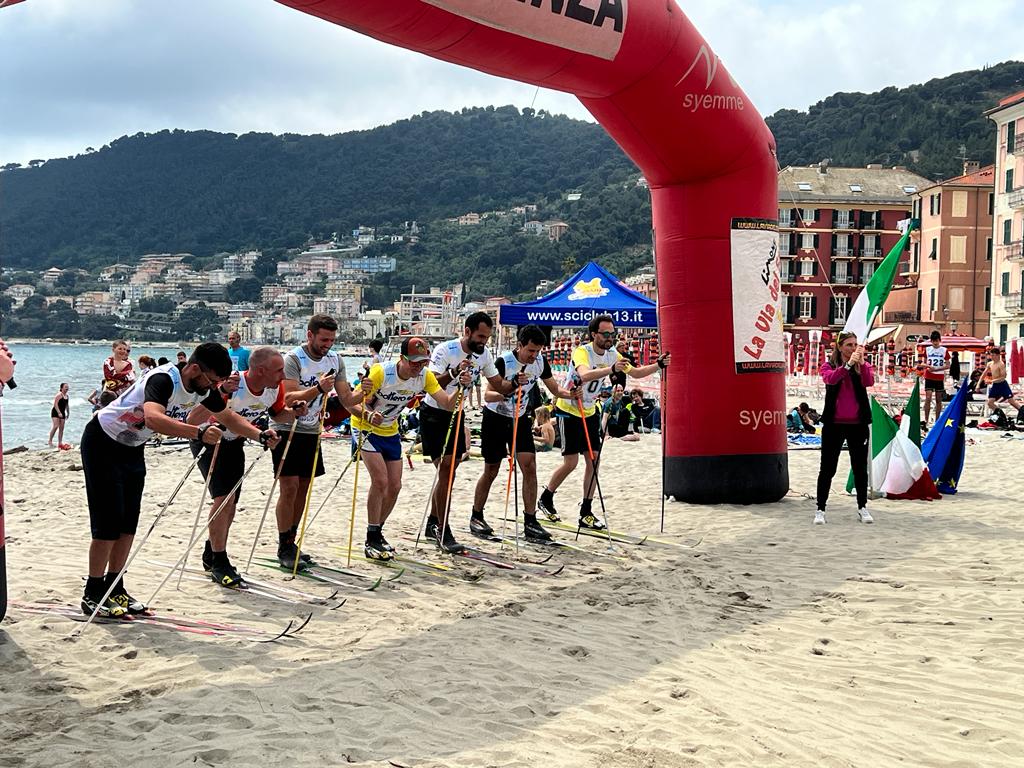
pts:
pixel 847 416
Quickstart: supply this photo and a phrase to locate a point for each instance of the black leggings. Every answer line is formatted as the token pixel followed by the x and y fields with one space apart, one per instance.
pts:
pixel 856 437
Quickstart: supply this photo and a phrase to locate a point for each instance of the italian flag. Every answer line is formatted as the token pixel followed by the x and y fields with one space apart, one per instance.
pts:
pixel 897 468
pixel 869 302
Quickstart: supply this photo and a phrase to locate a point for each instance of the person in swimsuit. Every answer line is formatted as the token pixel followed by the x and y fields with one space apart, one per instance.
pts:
pixel 59 415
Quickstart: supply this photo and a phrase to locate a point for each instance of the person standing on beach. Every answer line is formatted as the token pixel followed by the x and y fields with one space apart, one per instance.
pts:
pixel 114 461
pixel 59 412
pixel 936 365
pixel 118 373
pixel 311 371
pixel 589 365
pixel 454 364
pixel 847 416
pixel 522 367
pixel 239 354
pixel 259 392
pixel 375 427
pixel 999 390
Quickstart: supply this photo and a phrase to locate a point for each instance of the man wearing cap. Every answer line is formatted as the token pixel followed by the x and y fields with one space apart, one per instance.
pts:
pixel 453 363
pixel 375 433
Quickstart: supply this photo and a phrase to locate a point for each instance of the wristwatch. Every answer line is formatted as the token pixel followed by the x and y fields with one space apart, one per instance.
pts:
pixel 848 366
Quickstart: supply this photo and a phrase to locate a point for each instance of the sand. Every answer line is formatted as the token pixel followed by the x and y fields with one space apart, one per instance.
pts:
pixel 772 642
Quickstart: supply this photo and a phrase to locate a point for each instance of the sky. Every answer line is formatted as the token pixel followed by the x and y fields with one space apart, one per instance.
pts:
pixel 79 74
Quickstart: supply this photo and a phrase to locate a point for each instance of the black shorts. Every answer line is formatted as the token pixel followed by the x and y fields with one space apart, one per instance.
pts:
pixel 115 476
pixel 934 385
pixel 434 425
pixel 300 456
pixel 229 468
pixel 573 436
pixel 496 436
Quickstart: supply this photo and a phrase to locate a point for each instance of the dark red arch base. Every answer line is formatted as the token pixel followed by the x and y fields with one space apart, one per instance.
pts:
pixel 649 78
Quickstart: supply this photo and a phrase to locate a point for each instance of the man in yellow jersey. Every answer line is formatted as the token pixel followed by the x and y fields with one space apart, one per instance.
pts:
pixel 590 365
pixel 392 385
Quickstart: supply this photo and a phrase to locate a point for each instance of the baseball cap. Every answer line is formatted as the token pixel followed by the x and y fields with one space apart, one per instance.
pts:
pixel 415 349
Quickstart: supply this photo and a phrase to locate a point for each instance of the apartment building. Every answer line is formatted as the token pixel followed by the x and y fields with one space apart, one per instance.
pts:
pixel 1006 319
pixel 835 226
pixel 950 265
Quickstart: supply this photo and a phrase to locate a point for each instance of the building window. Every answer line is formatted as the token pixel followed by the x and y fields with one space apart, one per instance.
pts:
pixel 1004 284
pixel 988 298
pixel 807 268
pixel 956 298
pixel 960 203
pixel 916 208
pixel 786 269
pixel 1007 231
pixel 958 249
pixel 988 249
pixel 804 186
pixel 808 215
pixel 867 269
pixel 856 188
pixel 931 299
pixel 1009 180
pixel 1011 138
pixel 991 203
pixel 807 241
pixel 916 255
pixel 934 253
pixel 842 245
pixel 841 271
pixel 839 309
pixel 1002 333
pixel 871 245
pixel 843 219
pixel 784 220
pixel 806 306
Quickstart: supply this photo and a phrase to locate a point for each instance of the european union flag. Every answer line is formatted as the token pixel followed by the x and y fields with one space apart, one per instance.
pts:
pixel 943 448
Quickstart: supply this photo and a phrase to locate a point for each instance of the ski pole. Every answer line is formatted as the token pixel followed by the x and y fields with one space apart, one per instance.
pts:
pixel 451 474
pixel 437 471
pixel 195 536
pixel 138 547
pixel 664 426
pixel 511 471
pixel 367 419
pixel 202 501
pixel 309 490
pixel 270 496
pixel 594 479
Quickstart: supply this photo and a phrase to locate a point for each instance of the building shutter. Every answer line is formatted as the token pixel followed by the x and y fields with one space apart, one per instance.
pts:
pixel 814 306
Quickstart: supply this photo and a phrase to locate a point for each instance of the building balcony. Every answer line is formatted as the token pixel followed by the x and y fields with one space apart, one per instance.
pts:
pixel 1016 198
pixel 871 253
pixel 1013 304
pixel 1011 252
pixel 845 224
pixel 787 222
pixel 844 279
pixel 1018 144
pixel 844 253
pixel 788 277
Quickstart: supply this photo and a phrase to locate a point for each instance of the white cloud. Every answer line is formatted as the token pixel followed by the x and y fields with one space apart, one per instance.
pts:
pixel 79 75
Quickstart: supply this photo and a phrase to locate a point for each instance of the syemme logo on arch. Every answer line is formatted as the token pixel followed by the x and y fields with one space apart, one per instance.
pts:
pixel 695 101
pixel 594 27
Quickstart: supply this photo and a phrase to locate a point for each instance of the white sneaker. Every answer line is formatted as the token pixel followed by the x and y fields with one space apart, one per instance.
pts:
pixel 865 516
pixel 819 517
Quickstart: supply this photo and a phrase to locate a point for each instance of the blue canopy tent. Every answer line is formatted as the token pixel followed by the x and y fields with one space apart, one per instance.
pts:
pixel 591 291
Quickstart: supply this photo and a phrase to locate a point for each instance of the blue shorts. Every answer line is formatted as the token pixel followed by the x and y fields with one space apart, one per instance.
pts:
pixel 1000 390
pixel 388 446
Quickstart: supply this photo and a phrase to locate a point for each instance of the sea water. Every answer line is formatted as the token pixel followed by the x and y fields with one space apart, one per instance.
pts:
pixel 39 372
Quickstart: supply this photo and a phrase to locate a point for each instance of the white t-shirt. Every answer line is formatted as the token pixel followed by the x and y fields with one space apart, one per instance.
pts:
pixel 937 358
pixel 250 406
pixel 447 357
pixel 509 367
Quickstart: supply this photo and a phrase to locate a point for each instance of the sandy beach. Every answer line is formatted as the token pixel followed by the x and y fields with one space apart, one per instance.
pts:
pixel 771 642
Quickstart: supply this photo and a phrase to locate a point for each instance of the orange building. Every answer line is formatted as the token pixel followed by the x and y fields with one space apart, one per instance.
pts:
pixel 951 264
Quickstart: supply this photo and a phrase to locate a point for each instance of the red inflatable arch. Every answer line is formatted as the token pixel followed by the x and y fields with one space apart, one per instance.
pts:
pixel 646 74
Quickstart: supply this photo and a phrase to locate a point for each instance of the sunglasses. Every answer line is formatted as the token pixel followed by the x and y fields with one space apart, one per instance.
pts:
pixel 608 334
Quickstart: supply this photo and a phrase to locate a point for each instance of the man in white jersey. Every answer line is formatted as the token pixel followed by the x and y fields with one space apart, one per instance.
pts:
pixel 310 372
pixel 590 365
pixel 499 420
pixel 454 364
pixel 115 466
pixel 375 426
pixel 259 392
